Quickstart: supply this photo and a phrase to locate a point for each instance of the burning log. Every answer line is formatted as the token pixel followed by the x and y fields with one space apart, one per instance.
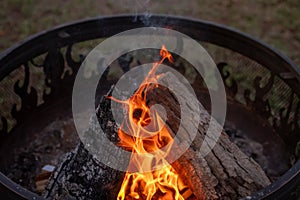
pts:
pixel 225 173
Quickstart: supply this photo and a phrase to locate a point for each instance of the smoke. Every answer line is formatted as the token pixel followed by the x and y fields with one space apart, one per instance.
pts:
pixel 136 7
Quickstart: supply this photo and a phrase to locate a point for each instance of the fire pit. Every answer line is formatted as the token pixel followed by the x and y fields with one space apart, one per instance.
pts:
pixel 37 77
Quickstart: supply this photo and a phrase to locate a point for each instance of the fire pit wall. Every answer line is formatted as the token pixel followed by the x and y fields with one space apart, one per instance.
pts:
pixel 37 76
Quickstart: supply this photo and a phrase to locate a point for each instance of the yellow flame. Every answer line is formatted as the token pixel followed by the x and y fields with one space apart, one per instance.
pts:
pixel 163 183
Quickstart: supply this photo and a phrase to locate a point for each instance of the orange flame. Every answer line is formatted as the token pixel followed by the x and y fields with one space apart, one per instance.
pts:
pixel 148 133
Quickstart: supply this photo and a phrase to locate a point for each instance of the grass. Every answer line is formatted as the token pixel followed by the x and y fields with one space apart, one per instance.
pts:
pixel 276 22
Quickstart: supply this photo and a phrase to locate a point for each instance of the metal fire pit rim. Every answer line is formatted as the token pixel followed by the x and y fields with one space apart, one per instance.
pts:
pixel 279 188
pixel 226 30
pixel 14 190
pixel 7 64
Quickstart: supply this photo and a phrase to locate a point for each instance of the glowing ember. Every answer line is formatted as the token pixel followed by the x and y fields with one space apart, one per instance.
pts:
pixel 148 133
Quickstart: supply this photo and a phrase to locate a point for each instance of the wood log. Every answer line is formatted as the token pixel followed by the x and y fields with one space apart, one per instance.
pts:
pixel 80 176
pixel 225 173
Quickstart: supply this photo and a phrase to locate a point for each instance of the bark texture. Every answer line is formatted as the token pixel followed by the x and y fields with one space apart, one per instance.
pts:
pixel 225 173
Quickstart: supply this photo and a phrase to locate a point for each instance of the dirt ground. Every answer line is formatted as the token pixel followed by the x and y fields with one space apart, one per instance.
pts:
pixel 276 22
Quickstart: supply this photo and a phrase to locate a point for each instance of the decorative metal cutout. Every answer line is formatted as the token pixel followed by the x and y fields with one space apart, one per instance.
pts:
pixel 288 122
pixel 285 122
pixel 55 79
pixel 58 81
pixel 262 106
pixel 233 88
pixel 28 100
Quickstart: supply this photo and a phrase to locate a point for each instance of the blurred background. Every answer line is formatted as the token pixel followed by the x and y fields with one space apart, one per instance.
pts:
pixel 276 22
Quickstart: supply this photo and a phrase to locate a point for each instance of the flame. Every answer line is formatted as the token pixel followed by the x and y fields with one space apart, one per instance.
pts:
pixel 148 133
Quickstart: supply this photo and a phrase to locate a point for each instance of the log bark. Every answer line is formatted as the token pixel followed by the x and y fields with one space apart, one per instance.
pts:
pixel 80 176
pixel 225 173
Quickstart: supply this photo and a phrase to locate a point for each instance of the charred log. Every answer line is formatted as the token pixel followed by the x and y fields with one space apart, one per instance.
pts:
pixel 225 173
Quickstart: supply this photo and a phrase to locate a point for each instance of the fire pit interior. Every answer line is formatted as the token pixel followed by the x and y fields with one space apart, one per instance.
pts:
pixel 41 154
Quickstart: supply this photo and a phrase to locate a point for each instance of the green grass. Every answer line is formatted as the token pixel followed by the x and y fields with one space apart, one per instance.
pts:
pixel 276 22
